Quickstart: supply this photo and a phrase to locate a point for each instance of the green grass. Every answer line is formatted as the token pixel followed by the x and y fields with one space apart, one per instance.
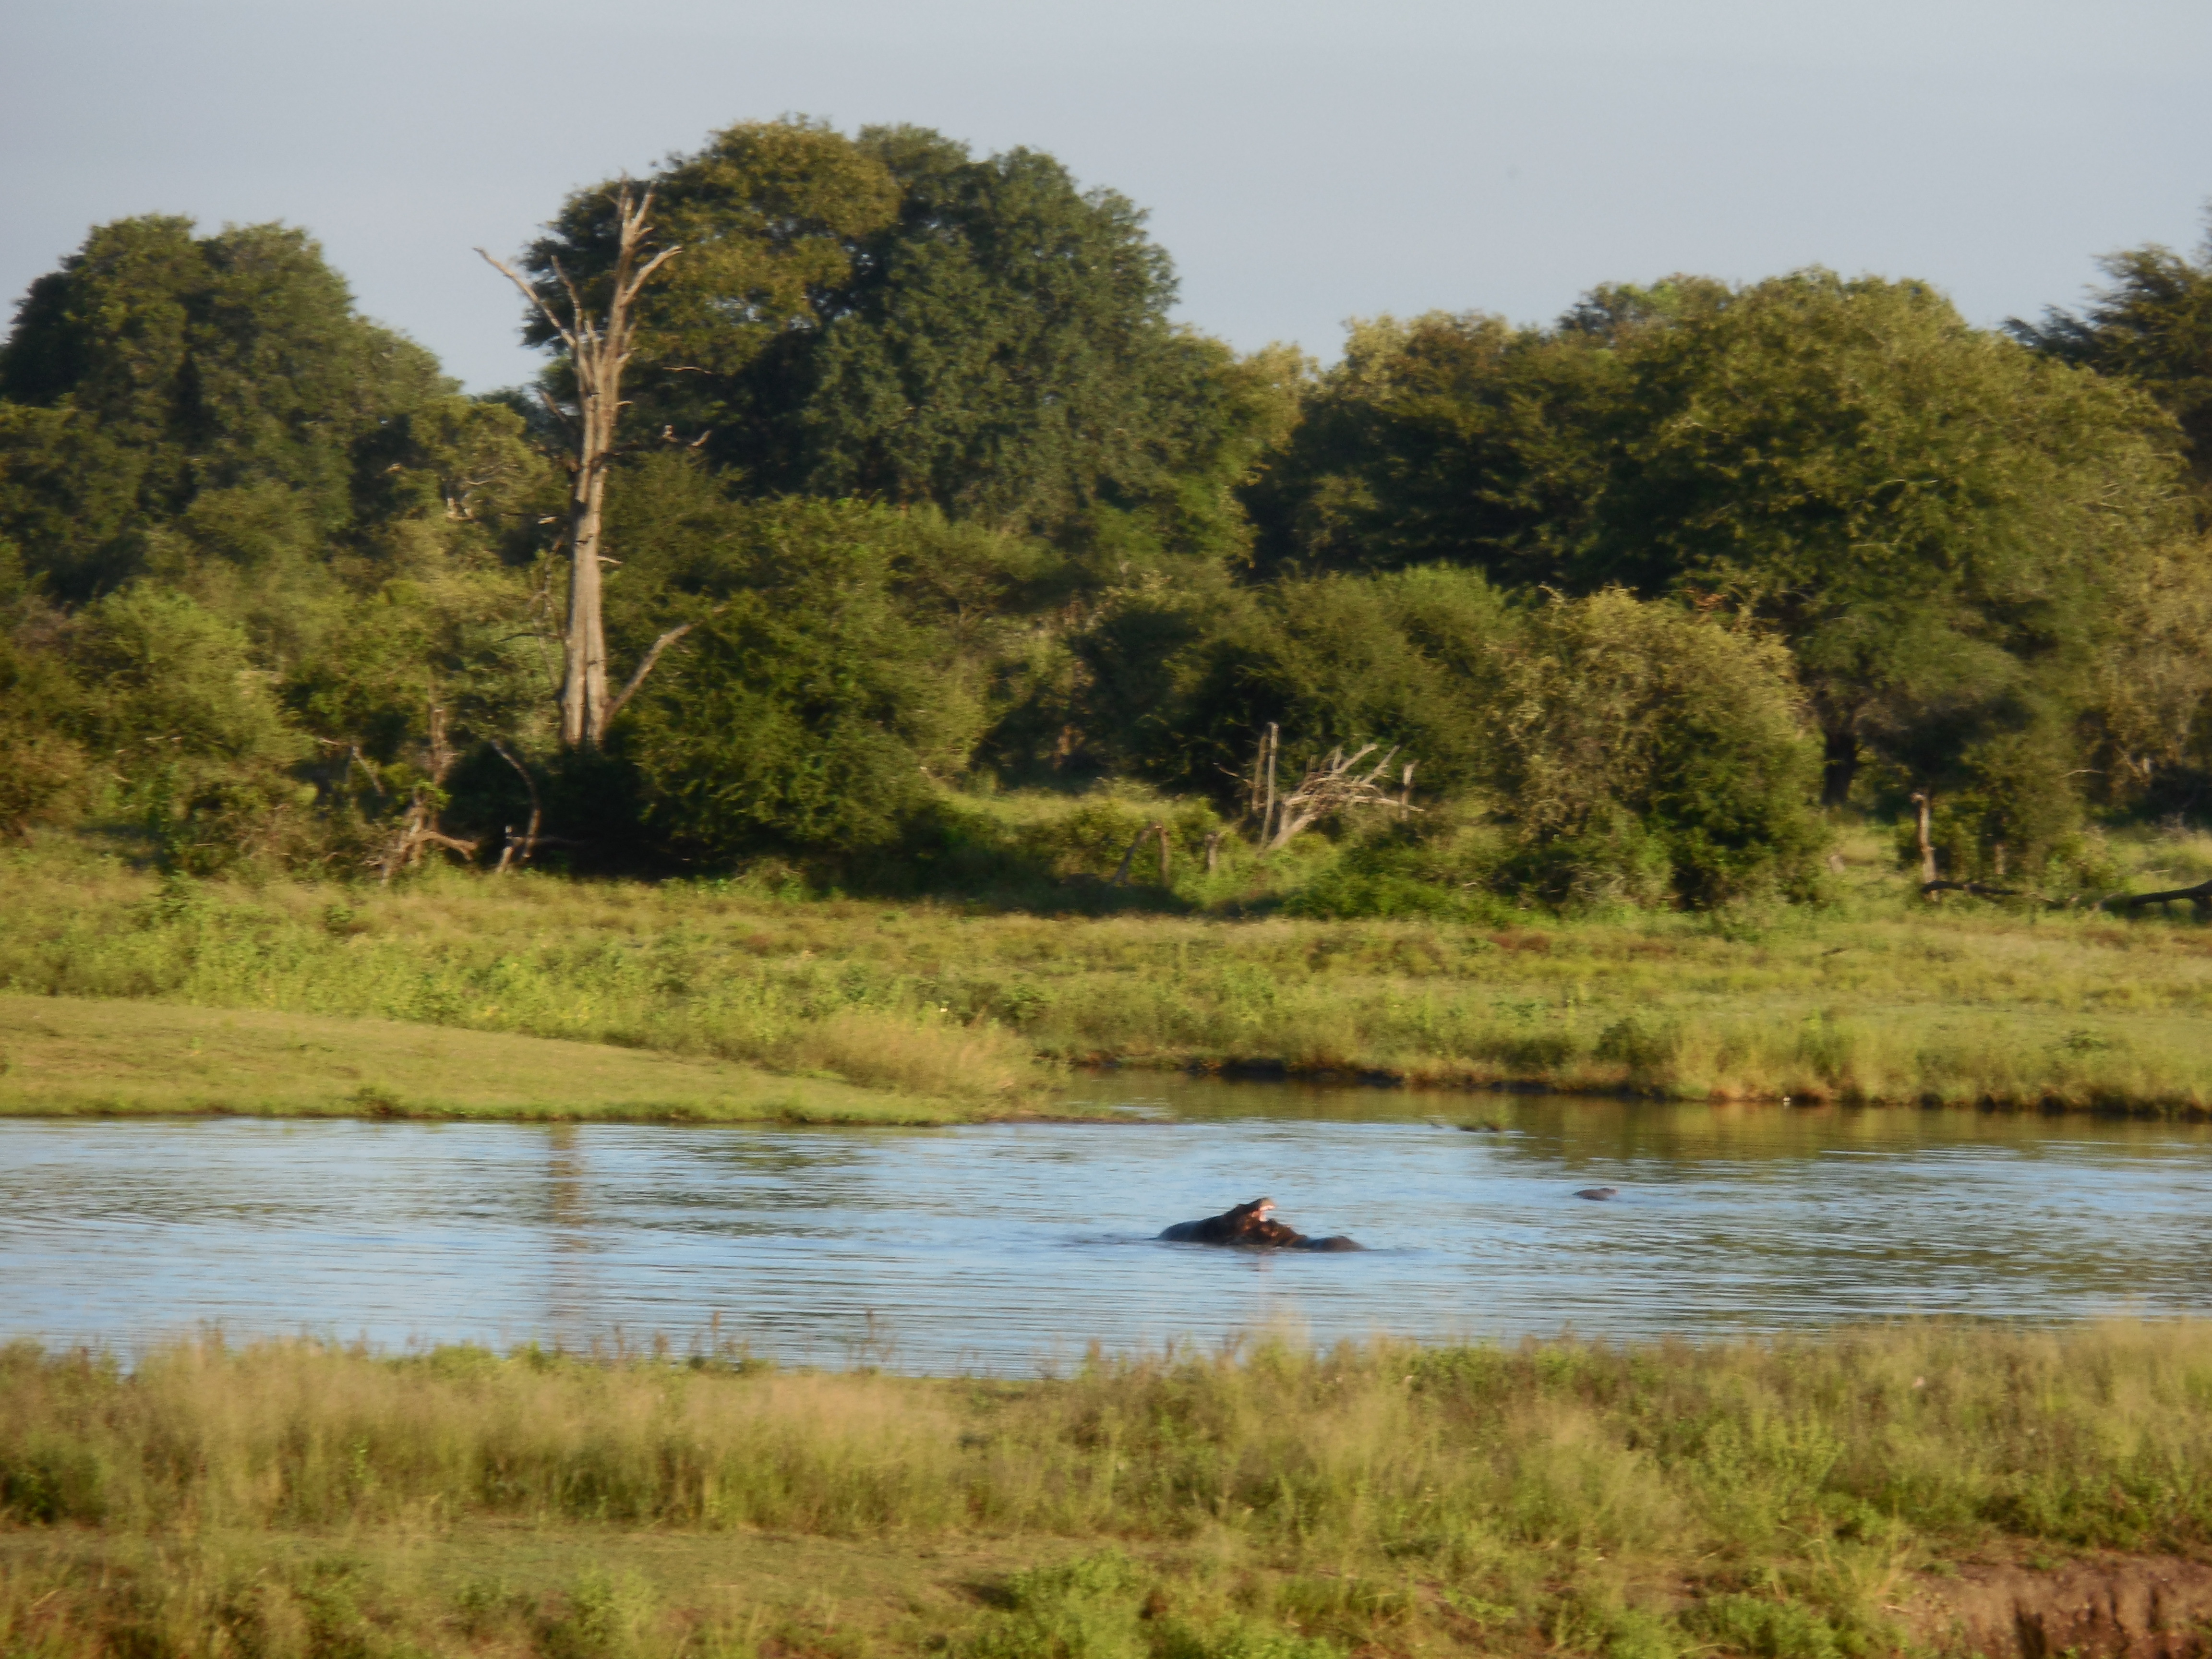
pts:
pixel 68 1057
pixel 1792 1500
pixel 1877 996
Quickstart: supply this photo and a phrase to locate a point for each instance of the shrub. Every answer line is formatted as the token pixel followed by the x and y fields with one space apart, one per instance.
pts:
pixel 1646 751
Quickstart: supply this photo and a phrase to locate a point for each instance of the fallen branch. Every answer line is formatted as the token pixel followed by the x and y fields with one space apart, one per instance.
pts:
pixel 1336 784
pixel 2200 895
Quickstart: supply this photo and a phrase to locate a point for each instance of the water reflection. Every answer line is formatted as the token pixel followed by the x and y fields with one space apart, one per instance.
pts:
pixel 994 1248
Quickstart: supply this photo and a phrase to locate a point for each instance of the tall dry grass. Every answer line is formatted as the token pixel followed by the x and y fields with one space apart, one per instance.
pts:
pixel 1267 1503
pixel 2095 1437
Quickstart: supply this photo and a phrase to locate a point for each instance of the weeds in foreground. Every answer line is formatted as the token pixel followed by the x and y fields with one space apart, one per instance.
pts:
pixel 1267 1503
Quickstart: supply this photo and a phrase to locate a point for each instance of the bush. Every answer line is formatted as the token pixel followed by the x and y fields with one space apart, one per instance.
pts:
pixel 1646 751
pixel 202 755
pixel 810 710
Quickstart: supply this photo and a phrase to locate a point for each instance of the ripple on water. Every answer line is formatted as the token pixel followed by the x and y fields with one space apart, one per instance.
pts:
pixel 996 1248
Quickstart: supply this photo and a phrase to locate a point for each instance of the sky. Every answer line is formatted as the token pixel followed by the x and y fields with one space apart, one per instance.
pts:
pixel 1304 160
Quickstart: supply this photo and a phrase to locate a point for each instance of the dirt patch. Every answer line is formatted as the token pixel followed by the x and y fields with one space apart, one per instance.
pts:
pixel 2099 1607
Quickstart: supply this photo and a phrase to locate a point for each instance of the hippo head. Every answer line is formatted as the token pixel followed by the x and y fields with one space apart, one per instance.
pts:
pixel 1249 1215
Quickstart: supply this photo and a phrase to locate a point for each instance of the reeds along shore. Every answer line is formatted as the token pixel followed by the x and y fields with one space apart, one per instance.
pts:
pixel 1878 996
pixel 1779 1498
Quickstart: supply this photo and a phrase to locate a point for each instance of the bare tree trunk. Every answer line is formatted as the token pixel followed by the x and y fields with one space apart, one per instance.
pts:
pixel 1267 751
pixel 1925 806
pixel 584 680
pixel 599 349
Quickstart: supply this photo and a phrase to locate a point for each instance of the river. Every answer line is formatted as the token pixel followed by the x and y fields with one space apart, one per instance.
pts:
pixel 1011 1249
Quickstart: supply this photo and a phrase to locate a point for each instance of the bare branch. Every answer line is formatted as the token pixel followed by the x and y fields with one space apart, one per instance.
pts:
pixel 644 668
pixel 531 294
pixel 527 844
pixel 554 410
pixel 2200 895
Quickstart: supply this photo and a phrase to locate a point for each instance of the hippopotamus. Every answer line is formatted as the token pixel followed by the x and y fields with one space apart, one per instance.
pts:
pixel 1250 1225
pixel 1599 1194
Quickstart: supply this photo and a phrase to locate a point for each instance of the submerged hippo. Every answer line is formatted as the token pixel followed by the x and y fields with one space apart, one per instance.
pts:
pixel 1251 1226
pixel 1598 1194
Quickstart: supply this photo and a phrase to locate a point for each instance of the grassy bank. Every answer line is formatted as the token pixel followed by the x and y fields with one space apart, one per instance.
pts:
pixel 1878 996
pixel 1793 1500
pixel 67 1056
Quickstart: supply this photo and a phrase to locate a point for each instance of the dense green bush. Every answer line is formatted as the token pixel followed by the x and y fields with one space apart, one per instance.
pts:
pixel 1646 752
pixel 810 709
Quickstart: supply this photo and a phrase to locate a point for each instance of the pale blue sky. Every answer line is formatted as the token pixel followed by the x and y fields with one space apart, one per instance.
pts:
pixel 1304 160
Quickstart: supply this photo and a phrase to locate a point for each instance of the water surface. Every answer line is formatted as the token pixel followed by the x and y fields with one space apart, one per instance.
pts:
pixel 1002 1248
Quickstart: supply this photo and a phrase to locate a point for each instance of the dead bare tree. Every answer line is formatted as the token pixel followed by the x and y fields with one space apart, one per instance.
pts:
pixel 599 349
pixel 419 828
pixel 1334 784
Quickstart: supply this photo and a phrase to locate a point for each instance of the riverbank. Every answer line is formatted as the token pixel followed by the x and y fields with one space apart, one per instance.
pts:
pixel 81 1057
pixel 1924 1486
pixel 1878 996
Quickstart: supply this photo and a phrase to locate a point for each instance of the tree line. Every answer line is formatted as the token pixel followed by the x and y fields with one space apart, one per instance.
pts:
pixel 867 477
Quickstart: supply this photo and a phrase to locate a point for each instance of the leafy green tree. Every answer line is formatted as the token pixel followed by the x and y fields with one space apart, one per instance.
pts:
pixel 893 319
pixel 1928 515
pixel 2147 705
pixel 1924 512
pixel 41 764
pixel 193 735
pixel 1460 439
pixel 1000 353
pixel 773 219
pixel 2152 325
pixel 159 375
pixel 225 476
pixel 1455 438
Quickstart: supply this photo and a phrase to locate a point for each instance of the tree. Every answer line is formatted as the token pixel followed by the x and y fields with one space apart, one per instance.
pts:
pixel 1457 438
pixel 160 375
pixel 892 318
pixel 1926 513
pixel 598 351
pixel 1000 345
pixel 2152 325
pixel 774 216
pixel 1182 680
